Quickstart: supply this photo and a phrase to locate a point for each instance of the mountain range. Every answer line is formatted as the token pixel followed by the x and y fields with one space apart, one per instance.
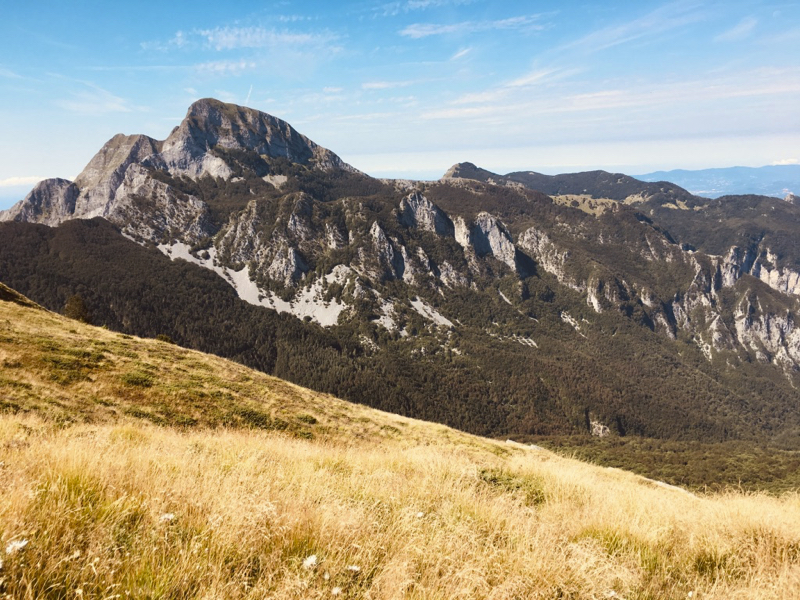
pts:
pixel 512 304
pixel 780 181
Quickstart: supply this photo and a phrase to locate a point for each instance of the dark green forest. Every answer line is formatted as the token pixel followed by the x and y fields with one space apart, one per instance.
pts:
pixel 638 381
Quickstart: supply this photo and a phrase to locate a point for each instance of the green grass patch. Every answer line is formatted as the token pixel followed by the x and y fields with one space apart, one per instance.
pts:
pixel 531 489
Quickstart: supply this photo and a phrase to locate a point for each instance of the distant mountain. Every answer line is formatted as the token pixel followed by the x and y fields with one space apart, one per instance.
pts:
pixel 500 304
pixel 777 181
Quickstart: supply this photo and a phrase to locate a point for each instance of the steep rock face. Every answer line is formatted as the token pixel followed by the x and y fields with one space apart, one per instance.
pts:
pixel 770 336
pixel 195 148
pixel 51 202
pixel 417 211
pixel 287 266
pixel 101 178
pixel 549 256
pixel 782 280
pixel 490 236
pixel 149 209
pixel 384 261
pixel 210 123
pixel 486 236
pixel 760 263
pixel 240 240
pixel 698 309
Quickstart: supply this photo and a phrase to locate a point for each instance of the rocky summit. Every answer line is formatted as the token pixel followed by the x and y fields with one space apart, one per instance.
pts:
pixel 503 304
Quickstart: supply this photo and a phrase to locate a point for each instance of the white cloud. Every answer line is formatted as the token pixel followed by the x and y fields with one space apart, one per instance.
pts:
pixel 497 94
pixel 786 161
pixel 9 74
pixel 332 90
pixel 94 101
pixel 661 20
pixel 179 40
pixel 231 38
pixel 460 54
pixel 225 67
pixel 740 31
pixel 531 78
pixel 395 8
pixel 421 30
pixel 385 85
pixel 238 38
pixel 20 181
pixel 618 110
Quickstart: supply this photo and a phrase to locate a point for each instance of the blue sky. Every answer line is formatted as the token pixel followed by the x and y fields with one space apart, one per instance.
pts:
pixel 407 88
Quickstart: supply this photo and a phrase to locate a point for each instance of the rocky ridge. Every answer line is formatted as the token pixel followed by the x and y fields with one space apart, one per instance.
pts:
pixel 119 178
pixel 292 227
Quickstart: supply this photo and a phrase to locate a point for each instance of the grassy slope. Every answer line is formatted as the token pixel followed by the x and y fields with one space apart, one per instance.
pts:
pixel 134 468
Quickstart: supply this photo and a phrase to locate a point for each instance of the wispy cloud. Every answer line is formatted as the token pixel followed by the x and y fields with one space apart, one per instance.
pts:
pixel 225 67
pixel 19 181
pixel 742 30
pixel 406 6
pixel 8 73
pixel 231 38
pixel 385 85
pixel 238 38
pixel 93 100
pixel 506 103
pixel 461 54
pixel 787 161
pixel 422 30
pixel 515 86
pixel 179 40
pixel 659 21
pixel 532 78
pixel 138 68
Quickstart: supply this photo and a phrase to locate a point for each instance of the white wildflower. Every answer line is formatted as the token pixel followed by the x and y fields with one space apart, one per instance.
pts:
pixel 420 514
pixel 310 562
pixel 354 568
pixel 690 594
pixel 15 546
pixel 336 591
pixel 167 517
pixel 326 576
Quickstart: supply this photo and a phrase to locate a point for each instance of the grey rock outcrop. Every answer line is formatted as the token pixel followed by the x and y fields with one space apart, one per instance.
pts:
pixel 51 202
pixel 210 123
pixel 287 266
pixel 417 211
pixel 487 236
pixel 148 209
pixel 101 178
pixel 114 178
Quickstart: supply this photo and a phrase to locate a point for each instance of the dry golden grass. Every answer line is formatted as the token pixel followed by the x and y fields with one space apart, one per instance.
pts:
pixel 112 505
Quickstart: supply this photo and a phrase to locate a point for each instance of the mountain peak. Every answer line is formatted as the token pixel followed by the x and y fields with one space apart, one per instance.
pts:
pixel 211 123
pixel 467 170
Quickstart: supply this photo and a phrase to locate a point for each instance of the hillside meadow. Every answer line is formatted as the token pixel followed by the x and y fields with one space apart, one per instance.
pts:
pixel 133 468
